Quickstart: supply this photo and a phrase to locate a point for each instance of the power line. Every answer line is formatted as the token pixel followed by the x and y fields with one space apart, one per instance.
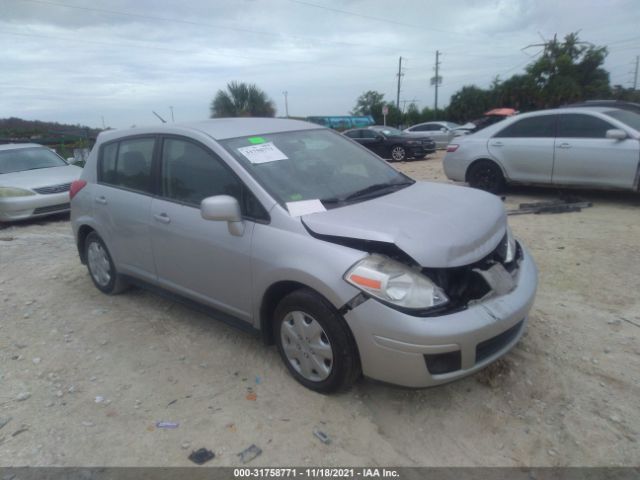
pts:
pixel 321 41
pixel 277 61
pixel 371 17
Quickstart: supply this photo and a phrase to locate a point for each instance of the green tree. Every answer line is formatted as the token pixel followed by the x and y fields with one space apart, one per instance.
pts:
pixel 412 115
pixel 569 71
pixel 370 103
pixel 468 103
pixel 242 100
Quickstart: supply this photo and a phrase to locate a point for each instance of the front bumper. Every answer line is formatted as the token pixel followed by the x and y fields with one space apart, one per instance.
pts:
pixel 21 208
pixel 405 350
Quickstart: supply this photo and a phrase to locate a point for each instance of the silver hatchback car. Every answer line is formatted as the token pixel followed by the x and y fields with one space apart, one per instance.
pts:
pixel 301 235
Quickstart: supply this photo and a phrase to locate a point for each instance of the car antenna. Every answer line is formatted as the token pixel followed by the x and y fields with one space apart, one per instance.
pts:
pixel 161 119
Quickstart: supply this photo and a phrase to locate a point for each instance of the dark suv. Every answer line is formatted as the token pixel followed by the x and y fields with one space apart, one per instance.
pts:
pixel 392 143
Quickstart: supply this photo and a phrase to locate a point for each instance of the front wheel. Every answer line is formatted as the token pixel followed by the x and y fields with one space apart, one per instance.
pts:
pixel 486 175
pixel 315 343
pixel 101 268
pixel 398 153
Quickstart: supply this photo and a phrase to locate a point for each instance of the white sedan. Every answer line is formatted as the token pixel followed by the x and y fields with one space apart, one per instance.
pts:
pixel 595 147
pixel 34 182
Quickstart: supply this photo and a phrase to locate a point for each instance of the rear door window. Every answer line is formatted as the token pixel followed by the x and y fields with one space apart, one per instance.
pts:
pixel 577 125
pixel 542 126
pixel 127 164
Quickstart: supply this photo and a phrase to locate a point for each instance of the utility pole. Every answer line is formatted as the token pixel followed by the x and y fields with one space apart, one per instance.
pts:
pixel 436 84
pixel 172 120
pixel 399 77
pixel 286 103
pixel 635 81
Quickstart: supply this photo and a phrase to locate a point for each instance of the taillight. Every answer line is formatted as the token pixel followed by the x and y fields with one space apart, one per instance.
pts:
pixel 452 147
pixel 76 186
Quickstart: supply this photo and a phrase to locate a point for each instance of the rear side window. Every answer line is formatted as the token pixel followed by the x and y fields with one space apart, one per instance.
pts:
pixel 576 125
pixel 127 164
pixel 353 133
pixel 542 126
pixel 191 173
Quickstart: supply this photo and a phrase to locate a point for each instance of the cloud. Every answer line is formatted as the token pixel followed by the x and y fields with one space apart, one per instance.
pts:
pixel 118 59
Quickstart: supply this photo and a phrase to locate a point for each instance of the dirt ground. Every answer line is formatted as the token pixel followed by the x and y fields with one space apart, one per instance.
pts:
pixel 84 377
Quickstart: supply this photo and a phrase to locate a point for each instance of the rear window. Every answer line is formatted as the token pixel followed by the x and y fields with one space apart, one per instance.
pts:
pixel 127 164
pixel 541 126
pixel 625 116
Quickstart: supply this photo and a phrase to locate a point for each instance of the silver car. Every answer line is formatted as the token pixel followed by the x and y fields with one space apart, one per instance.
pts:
pixel 303 236
pixel 34 182
pixel 596 147
pixel 439 132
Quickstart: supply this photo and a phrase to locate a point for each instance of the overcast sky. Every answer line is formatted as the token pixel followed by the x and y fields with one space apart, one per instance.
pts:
pixel 79 61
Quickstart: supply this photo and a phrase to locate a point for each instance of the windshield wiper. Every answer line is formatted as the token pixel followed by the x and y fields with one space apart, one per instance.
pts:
pixel 376 187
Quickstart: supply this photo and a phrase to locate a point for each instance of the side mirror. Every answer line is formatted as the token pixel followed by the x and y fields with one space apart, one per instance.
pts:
pixel 223 208
pixel 616 134
pixel 443 130
pixel 379 137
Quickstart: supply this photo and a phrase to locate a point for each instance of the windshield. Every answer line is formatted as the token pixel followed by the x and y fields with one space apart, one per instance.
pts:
pixel 22 159
pixel 390 131
pixel 627 117
pixel 314 164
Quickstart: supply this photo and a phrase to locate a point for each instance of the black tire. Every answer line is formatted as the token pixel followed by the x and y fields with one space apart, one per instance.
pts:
pixel 398 153
pixel 116 283
pixel 486 175
pixel 345 366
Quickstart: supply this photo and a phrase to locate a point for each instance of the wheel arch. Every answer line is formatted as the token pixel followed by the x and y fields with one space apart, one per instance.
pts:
pixel 485 159
pixel 83 233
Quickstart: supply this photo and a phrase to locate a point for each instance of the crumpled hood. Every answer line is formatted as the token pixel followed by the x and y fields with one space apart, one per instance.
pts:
pixel 41 177
pixel 437 225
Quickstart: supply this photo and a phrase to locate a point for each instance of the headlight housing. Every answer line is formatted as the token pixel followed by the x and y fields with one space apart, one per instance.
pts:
pixel 6 192
pixel 395 283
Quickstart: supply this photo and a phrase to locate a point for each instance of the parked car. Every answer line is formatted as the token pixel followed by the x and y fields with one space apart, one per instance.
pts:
pixel 634 107
pixel 391 143
pixel 439 132
pixel 34 181
pixel 582 147
pixel 488 118
pixel 292 231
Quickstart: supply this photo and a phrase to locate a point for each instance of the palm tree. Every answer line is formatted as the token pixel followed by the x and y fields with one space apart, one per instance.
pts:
pixel 242 100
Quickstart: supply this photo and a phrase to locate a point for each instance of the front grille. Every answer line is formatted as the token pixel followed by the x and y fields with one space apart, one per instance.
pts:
pixel 63 187
pixel 52 208
pixel 443 362
pixel 489 347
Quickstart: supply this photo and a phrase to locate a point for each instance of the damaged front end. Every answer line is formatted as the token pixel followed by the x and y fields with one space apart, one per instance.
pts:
pixel 442 290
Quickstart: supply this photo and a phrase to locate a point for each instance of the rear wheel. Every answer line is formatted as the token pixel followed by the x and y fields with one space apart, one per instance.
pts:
pixel 398 153
pixel 101 268
pixel 315 343
pixel 486 175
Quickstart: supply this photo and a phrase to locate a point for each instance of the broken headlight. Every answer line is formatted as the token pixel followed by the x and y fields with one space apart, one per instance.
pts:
pixel 395 283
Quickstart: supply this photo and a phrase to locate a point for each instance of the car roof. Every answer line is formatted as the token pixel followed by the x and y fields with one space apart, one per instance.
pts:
pixel 219 128
pixel 16 146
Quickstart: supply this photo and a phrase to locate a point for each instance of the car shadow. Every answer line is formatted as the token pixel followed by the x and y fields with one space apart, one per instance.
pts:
pixel 40 221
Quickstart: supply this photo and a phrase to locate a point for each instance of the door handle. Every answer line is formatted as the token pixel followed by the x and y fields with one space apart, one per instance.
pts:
pixel 162 218
pixel 101 200
pixel 497 144
pixel 564 145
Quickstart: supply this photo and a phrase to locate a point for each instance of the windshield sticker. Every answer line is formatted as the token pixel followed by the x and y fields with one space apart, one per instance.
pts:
pixel 295 197
pixel 262 153
pixel 305 207
pixel 256 140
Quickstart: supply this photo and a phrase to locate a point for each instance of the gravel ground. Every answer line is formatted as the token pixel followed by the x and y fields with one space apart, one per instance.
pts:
pixel 84 377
